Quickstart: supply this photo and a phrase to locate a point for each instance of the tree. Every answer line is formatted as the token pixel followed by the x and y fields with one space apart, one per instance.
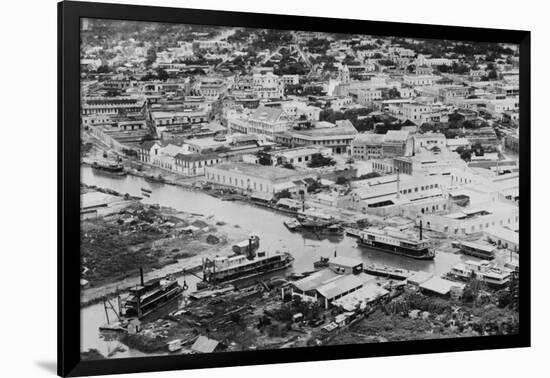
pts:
pixel 466 155
pixel 313 187
pixel 341 180
pixel 394 93
pixel 478 149
pixel 103 69
pixel 283 194
pixel 151 57
pixel 493 75
pixel 264 158
pixel 162 74
pixel 318 160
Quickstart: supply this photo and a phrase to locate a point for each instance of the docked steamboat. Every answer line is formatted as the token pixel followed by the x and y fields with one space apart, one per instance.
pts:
pixel 244 263
pixel 150 296
pixel 394 241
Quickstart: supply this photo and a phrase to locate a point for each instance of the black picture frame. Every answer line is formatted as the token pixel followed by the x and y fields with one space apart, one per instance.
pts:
pixel 69 14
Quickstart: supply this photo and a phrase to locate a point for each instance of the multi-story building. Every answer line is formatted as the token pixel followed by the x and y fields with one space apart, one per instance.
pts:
pixel 414 112
pixel 367 146
pixel 378 146
pixel 267 121
pixel 419 80
pixel 447 94
pixel 438 160
pixel 111 105
pixel 499 106
pixel 195 164
pixel 147 149
pixel 389 195
pixel 366 96
pixel 297 110
pixel 267 85
pixel 507 89
pixel 422 60
pixel 290 79
pixel 337 137
pixel 177 120
pixel 430 140
pixel 212 89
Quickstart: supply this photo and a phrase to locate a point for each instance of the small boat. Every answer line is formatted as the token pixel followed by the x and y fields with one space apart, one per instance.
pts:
pixel 146 190
pixel 292 224
pixel 333 229
pixel 155 179
pixel 114 169
pixel 321 263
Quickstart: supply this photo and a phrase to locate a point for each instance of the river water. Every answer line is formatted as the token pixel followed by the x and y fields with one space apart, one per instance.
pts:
pixel 266 223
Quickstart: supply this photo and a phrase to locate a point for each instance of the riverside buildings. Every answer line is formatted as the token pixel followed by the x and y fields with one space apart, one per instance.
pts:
pixel 337 131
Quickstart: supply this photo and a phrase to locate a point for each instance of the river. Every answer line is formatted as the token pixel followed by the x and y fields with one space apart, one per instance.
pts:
pixel 266 223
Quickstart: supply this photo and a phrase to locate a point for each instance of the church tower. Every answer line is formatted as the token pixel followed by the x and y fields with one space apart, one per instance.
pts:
pixel 344 74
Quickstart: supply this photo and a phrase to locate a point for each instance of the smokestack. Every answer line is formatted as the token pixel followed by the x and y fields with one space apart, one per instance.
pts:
pixel 250 250
pixel 141 276
pixel 421 229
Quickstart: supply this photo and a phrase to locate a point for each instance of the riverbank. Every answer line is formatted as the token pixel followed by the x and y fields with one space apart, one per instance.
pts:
pixel 160 239
pixel 258 317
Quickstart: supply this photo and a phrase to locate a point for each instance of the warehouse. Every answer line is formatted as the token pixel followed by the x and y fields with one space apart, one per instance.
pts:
pixel 257 178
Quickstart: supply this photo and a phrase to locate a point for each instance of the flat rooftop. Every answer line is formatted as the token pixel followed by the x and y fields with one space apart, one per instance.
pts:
pixel 261 171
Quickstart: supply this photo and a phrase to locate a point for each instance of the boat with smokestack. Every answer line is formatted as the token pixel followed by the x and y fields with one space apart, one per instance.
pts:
pixel 150 296
pixel 243 263
pixel 392 240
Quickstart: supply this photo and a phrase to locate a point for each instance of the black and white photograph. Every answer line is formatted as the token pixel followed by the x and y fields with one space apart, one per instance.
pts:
pixel 249 189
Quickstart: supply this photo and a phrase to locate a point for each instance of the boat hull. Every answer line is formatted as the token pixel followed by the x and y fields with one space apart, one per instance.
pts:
pixel 106 171
pixel 478 255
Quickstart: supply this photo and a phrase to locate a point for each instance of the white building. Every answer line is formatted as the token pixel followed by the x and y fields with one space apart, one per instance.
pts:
pixel 419 80
pixel 252 178
pixel 267 85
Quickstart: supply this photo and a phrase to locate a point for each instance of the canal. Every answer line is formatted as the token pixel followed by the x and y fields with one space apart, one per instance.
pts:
pixel 266 223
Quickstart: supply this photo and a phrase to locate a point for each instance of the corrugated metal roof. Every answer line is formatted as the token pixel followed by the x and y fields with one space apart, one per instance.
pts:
pixel 339 286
